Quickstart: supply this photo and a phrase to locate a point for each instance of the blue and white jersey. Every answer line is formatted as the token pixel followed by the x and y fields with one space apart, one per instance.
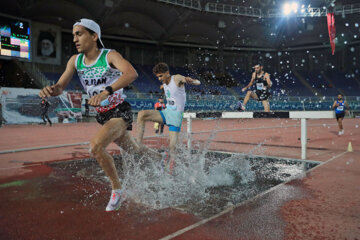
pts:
pixel 340 108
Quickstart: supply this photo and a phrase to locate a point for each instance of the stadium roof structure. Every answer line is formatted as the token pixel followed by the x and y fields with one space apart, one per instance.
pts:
pixel 258 24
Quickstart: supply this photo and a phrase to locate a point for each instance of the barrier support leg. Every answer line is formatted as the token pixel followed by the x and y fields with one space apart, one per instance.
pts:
pixel 189 130
pixel 303 138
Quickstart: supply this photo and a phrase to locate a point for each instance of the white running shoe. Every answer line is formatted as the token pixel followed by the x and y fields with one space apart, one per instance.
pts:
pixel 117 197
pixel 341 132
pixel 241 106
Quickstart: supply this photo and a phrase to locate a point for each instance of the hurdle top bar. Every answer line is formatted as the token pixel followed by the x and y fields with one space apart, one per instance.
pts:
pixel 292 114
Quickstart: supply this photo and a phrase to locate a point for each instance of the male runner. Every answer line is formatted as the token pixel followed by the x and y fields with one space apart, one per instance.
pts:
pixel 339 105
pixel 103 73
pixel 174 88
pixel 263 83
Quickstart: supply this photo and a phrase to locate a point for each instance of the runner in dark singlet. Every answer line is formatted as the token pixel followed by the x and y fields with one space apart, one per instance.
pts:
pixel 262 83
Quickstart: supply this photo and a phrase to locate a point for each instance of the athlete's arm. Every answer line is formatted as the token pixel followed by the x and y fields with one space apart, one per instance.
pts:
pixel 129 74
pixel 267 78
pixel 250 83
pixel 188 80
pixel 181 80
pixel 192 81
pixel 58 88
pixel 335 105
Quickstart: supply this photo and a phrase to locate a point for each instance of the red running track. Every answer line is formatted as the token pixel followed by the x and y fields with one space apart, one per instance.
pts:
pixel 39 202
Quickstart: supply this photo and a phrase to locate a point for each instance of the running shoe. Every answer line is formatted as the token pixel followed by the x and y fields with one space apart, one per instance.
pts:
pixel 117 197
pixel 241 106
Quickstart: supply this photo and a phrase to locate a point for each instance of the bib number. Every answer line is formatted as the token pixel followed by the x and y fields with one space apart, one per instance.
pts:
pixel 171 104
pixel 259 86
pixel 340 108
pixel 94 91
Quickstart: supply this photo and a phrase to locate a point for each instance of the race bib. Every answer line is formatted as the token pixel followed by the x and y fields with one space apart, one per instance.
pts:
pixel 171 104
pixel 260 86
pixel 340 108
pixel 94 90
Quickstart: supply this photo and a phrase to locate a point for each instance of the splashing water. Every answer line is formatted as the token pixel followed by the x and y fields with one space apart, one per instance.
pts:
pixel 194 175
pixel 193 178
pixel 203 182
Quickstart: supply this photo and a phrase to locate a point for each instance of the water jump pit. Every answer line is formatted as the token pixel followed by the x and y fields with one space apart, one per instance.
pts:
pixel 202 184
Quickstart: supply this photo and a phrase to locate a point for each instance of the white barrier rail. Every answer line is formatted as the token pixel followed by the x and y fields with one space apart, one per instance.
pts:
pixel 303 115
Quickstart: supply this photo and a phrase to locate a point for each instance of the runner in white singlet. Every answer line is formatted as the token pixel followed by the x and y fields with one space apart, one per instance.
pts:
pixel 174 89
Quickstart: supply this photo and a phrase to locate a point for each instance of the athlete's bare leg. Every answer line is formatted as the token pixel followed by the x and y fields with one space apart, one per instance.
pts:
pixel 128 143
pixel 113 129
pixel 173 142
pixel 143 116
pixel 266 105
pixel 247 97
pixel 340 124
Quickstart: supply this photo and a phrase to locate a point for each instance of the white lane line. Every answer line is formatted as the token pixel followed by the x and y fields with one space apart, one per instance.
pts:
pixel 44 147
pixel 23 166
pixel 330 159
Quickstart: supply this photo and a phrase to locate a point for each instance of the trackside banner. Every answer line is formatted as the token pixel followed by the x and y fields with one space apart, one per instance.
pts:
pixel 20 106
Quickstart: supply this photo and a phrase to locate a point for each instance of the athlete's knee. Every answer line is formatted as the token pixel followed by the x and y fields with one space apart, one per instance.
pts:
pixel 96 148
pixel 141 116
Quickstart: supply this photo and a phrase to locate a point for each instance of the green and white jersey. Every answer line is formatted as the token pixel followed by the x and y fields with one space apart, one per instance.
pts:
pixel 95 77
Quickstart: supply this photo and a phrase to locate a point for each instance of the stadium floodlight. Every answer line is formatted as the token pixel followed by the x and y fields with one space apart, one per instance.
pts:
pixel 289 8
pixel 302 8
pixel 294 7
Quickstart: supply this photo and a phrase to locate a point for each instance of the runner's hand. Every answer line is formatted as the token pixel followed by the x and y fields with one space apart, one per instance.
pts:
pixel 188 79
pixel 50 91
pixel 96 100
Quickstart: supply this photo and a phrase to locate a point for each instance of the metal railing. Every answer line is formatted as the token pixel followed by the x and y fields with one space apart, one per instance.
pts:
pixel 233 10
pixel 34 72
pixel 317 11
pixel 230 9
pixel 37 75
pixel 192 4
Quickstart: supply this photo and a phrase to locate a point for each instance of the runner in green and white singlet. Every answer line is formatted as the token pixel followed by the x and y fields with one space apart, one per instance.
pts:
pixel 103 74
pixel 95 77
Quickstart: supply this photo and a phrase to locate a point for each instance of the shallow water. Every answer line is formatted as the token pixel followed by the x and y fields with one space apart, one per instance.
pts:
pixel 202 183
